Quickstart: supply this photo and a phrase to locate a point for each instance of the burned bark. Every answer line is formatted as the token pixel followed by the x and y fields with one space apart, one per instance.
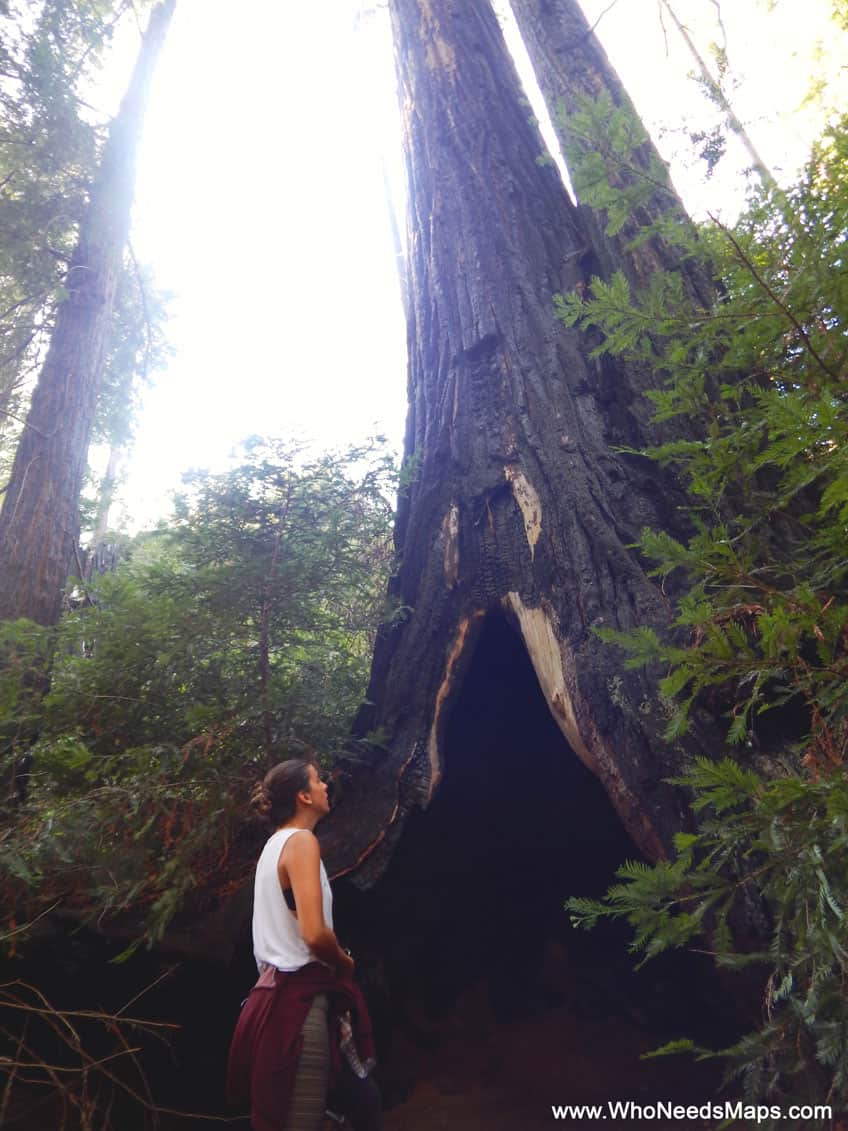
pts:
pixel 571 65
pixel 517 503
pixel 39 523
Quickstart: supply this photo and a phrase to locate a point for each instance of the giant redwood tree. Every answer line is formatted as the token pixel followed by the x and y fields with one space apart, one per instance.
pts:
pixel 519 508
pixel 39 522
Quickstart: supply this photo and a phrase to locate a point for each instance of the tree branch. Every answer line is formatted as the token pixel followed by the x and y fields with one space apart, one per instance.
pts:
pixel 775 298
pixel 608 8
pixel 717 5
pixel 20 420
pixel 714 87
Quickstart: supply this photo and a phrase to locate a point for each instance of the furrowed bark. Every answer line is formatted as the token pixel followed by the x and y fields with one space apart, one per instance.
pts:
pixel 518 501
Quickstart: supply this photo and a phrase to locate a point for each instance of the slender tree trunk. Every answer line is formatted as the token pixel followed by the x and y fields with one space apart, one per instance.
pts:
pixel 518 501
pixel 722 101
pixel 39 523
pixel 570 65
pixel 107 494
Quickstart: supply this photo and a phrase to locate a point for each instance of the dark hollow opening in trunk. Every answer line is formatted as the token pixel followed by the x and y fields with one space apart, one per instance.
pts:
pixel 469 920
pixel 477 884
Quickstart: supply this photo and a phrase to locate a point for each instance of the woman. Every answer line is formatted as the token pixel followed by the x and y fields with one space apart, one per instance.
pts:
pixel 286 1048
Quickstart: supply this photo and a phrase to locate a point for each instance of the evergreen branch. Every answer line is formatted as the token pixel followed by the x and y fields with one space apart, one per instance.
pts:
pixel 745 260
pixel 22 302
pixel 620 162
pixel 93 44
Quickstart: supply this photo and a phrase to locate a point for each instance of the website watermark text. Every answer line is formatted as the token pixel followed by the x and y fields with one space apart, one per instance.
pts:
pixel 662 1109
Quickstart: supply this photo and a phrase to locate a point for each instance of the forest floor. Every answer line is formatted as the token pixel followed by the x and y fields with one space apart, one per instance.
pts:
pixel 464 1069
pixel 582 1046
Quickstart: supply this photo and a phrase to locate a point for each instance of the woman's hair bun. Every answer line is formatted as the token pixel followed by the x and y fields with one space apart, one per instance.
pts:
pixel 275 796
pixel 260 799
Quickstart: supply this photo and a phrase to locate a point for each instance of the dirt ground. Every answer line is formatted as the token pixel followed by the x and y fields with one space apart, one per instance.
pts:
pixel 581 1047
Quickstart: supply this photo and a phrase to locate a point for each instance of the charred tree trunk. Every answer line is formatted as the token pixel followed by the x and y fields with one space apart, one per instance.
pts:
pixel 39 523
pixel 518 501
pixel 570 65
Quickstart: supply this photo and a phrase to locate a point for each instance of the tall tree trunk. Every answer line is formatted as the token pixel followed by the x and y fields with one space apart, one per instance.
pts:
pixel 570 64
pixel 39 523
pixel 518 501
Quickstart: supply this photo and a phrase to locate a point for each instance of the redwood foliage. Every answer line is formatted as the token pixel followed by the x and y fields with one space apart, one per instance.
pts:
pixel 761 627
pixel 240 635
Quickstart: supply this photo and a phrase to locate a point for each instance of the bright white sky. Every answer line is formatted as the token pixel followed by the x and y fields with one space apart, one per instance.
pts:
pixel 261 204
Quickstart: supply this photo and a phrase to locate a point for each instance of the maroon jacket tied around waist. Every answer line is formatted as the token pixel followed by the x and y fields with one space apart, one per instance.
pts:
pixel 267 1041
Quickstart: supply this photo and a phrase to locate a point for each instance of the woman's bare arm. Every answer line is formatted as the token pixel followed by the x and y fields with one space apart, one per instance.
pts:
pixel 300 862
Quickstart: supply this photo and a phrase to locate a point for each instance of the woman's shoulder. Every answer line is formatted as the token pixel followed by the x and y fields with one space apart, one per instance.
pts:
pixel 297 841
pixel 280 838
pixel 288 831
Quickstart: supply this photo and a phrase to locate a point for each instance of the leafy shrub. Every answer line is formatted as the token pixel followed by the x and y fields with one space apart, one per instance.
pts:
pixel 240 636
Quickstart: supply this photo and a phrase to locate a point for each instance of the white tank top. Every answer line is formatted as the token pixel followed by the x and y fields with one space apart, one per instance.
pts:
pixel 277 940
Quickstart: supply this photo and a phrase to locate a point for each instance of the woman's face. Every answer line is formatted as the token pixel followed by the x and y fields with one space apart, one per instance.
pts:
pixel 318 792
